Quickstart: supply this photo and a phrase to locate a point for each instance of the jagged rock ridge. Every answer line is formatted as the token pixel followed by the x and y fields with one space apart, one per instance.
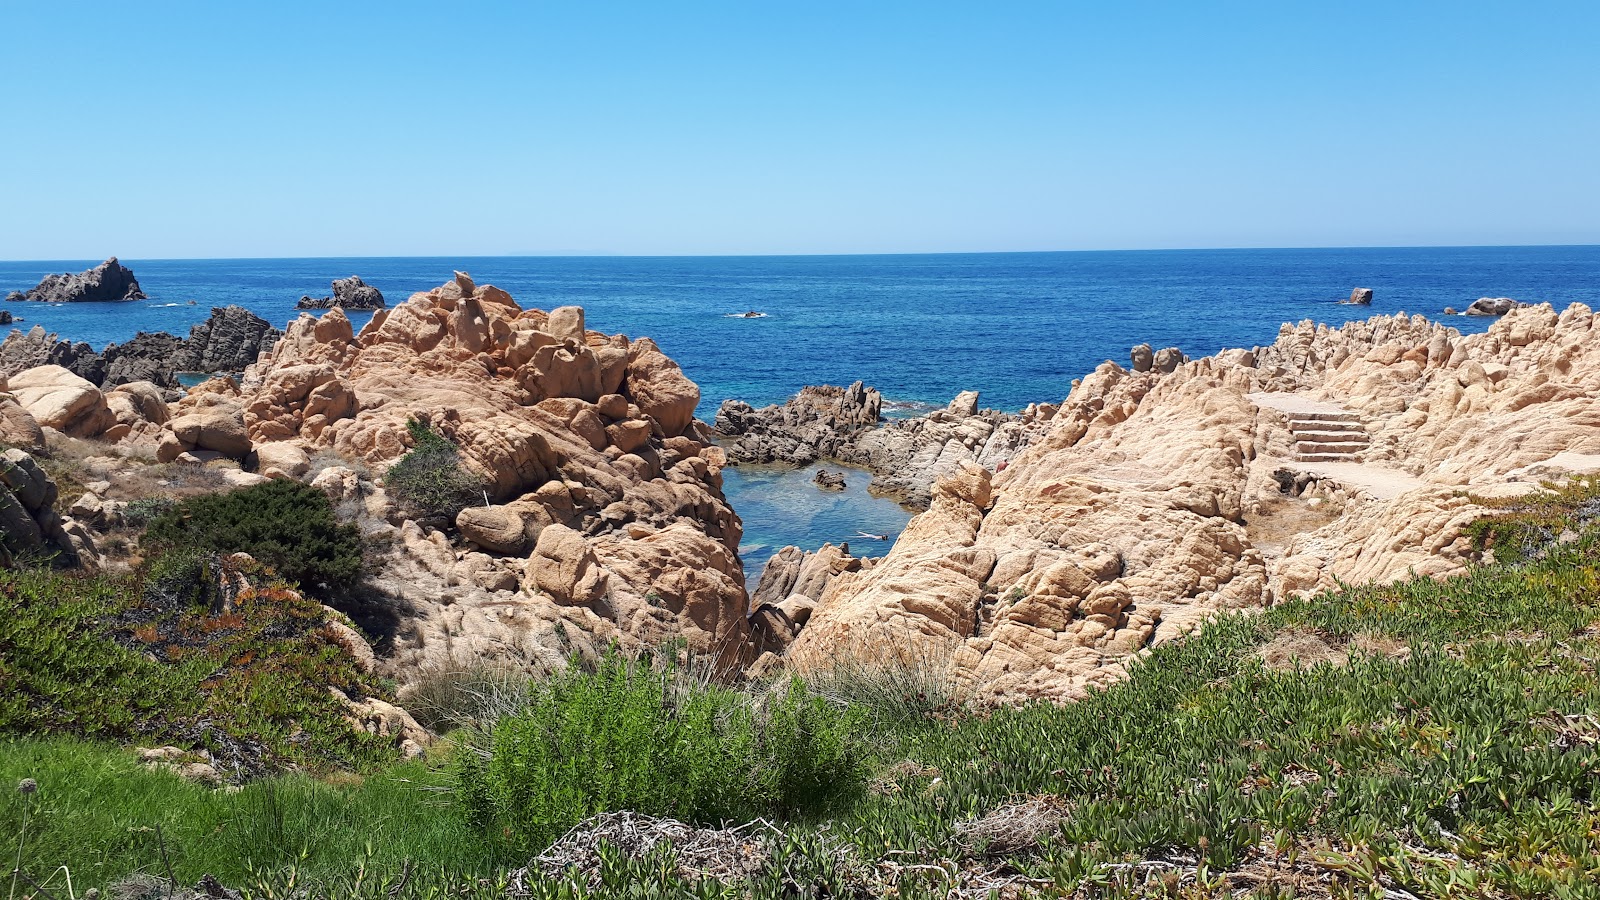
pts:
pixel 109 281
pixel 348 293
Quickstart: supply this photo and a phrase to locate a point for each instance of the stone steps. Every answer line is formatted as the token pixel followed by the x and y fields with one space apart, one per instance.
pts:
pixel 1328 436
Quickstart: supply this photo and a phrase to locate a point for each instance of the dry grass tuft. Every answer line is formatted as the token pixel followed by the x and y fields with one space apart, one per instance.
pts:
pixel 725 855
pixel 1302 648
pixel 1015 827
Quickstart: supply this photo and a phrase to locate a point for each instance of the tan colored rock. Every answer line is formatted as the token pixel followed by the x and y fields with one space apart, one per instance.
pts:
pixel 497 529
pixel 282 459
pixel 564 567
pixel 660 388
pixel 218 428
pixel 526 396
pixel 18 428
pixel 58 399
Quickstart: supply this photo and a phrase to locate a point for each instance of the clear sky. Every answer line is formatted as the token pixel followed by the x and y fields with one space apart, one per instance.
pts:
pixel 204 129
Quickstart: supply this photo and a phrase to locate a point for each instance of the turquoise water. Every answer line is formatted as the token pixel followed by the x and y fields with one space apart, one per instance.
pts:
pixel 783 506
pixel 1016 326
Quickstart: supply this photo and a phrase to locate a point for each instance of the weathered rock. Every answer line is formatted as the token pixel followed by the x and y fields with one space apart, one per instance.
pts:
pixel 229 340
pixel 18 427
pixel 1148 506
pixel 497 529
pixel 30 528
pixel 904 455
pixel 109 281
pixel 829 481
pixel 1360 297
pixel 282 459
pixel 1492 306
pixel 207 422
pixel 348 293
pixel 58 399
pixel 600 487
pixel 564 566
pixel 1142 357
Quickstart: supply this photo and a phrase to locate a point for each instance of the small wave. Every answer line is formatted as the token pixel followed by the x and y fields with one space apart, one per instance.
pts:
pixel 745 315
pixel 161 305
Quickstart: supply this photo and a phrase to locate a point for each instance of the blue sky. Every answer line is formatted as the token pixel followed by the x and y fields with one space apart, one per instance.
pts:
pixel 169 129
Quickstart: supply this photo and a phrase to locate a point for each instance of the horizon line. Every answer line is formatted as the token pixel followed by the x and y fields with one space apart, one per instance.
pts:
pixel 601 255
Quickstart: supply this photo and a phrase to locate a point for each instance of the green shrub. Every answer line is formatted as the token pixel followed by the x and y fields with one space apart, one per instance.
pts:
pixel 628 737
pixel 431 481
pixel 161 658
pixel 285 525
pixel 141 512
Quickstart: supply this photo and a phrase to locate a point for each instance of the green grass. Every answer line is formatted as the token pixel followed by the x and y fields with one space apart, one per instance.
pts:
pixel 1463 765
pixel 97 812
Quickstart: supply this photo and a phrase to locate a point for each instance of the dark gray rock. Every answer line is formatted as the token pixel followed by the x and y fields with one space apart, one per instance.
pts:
pixel 1360 297
pixel 228 341
pixel 348 293
pixel 147 357
pixel 1492 306
pixel 109 281
pixel 829 481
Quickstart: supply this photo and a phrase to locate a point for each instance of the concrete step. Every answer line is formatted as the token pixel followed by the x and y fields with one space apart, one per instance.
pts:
pixel 1326 457
pixel 1349 448
pixel 1332 437
pixel 1298 424
pixel 1324 417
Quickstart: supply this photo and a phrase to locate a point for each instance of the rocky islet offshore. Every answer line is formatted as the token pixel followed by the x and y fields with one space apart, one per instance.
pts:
pixel 1056 543
pixel 110 281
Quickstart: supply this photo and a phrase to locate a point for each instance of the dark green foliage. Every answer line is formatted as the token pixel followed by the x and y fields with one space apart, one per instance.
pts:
pixel 285 525
pixel 431 481
pixel 170 660
pixel 629 737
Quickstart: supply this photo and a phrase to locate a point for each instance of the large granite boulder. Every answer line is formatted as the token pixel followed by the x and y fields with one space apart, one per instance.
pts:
pixel 109 281
pixel 348 293
pixel 56 398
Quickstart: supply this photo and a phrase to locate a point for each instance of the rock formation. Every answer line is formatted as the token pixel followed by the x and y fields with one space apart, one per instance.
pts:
pixel 30 527
pixel 1360 297
pixel 348 293
pixel 1492 306
pixel 603 516
pixel 230 339
pixel 904 455
pixel 109 281
pixel 1153 501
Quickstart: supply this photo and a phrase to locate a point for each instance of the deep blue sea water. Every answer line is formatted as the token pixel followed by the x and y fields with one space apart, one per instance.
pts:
pixel 1018 327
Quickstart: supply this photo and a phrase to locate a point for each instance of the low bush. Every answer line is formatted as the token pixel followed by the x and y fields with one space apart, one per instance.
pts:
pixel 165 657
pixel 626 736
pixel 283 524
pixel 431 481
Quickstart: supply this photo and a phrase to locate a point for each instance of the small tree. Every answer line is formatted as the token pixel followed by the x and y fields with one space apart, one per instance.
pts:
pixel 431 480
pixel 285 525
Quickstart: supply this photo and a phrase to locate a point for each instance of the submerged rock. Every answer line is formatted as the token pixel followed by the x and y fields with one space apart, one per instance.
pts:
pixel 109 281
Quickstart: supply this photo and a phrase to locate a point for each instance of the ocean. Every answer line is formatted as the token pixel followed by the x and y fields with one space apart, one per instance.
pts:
pixel 1017 327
